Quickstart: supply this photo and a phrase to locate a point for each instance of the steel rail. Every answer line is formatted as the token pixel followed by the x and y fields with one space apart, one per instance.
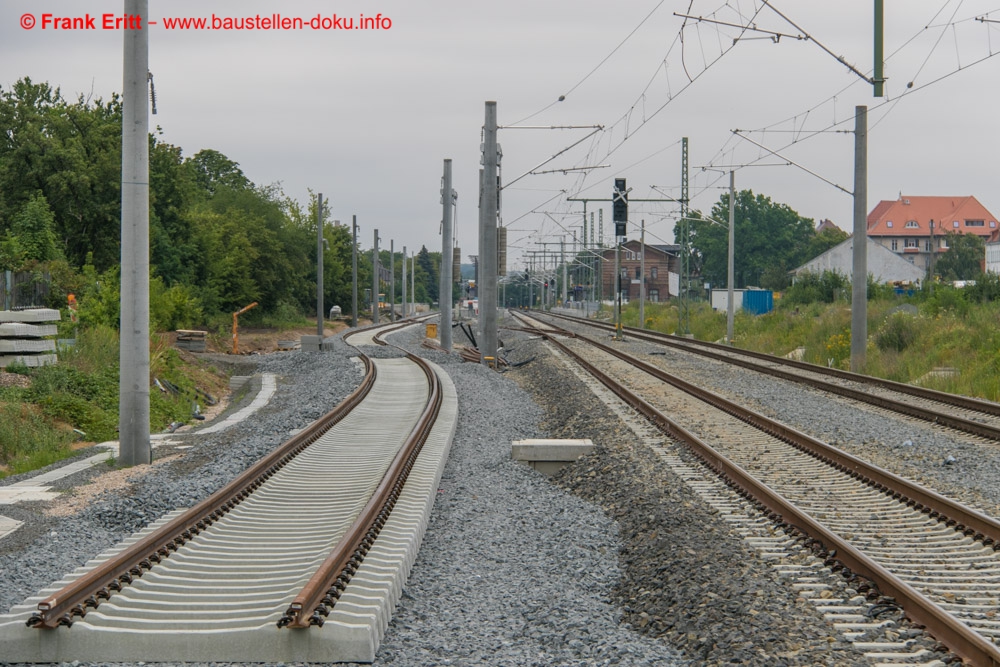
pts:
pixel 118 571
pixel 943 626
pixel 392 326
pixel 925 414
pixel 324 588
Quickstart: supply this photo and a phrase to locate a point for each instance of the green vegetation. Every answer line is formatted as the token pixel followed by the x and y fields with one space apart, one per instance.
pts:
pixel 771 239
pixel 37 422
pixel 953 328
pixel 218 242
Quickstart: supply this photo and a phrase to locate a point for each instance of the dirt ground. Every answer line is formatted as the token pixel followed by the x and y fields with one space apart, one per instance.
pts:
pixel 263 341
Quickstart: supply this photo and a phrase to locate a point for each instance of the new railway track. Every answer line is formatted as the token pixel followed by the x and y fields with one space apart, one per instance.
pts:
pixel 301 557
pixel 970 415
pixel 899 543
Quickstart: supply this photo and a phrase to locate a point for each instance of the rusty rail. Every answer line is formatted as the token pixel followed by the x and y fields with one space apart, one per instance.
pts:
pixel 118 571
pixel 957 636
pixel 321 592
pixel 925 414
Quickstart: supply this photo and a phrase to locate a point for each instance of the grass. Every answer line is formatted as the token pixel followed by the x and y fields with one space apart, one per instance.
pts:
pixel 81 392
pixel 947 331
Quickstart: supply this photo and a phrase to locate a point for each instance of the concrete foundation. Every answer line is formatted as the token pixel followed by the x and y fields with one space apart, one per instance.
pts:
pixel 312 343
pixel 548 456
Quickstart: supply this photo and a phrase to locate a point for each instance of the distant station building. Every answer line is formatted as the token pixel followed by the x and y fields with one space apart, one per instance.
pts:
pixel 661 261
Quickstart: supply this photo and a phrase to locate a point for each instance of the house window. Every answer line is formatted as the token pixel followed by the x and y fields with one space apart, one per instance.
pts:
pixel 912 243
pixel 912 224
pixel 944 243
pixel 993 224
pixel 895 244
pixel 927 245
pixel 652 273
pixel 638 273
pixel 975 223
pixel 954 224
pixel 888 223
pixel 654 295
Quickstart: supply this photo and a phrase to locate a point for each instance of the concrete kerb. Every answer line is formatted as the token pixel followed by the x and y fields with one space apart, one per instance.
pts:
pixel 39 486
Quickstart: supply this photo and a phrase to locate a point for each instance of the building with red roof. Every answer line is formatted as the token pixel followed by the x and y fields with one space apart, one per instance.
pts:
pixel 915 227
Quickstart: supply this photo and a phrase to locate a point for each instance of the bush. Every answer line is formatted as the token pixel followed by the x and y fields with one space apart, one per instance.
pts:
pixel 172 308
pixel 898 332
pixel 815 287
pixel 27 440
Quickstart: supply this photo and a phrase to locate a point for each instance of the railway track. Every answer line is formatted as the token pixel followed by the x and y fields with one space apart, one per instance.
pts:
pixel 300 558
pixel 962 413
pixel 900 544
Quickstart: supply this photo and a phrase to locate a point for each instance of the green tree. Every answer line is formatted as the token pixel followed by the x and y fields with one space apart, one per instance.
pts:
pixel 963 259
pixel 823 241
pixel 426 275
pixel 33 231
pixel 214 170
pixel 71 153
pixel 768 235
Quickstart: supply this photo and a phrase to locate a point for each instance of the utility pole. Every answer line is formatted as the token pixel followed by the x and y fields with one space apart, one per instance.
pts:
pixel 683 311
pixel 562 258
pixel 447 257
pixel 413 282
pixel 487 286
pixel 133 401
pixel 392 280
pixel 930 260
pixel 375 280
pixel 642 275
pixel 730 269
pixel 859 277
pixel 319 266
pixel 354 271
pixel 879 77
pixel 404 282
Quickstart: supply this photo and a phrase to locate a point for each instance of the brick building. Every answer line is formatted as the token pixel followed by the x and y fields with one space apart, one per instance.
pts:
pixel 661 261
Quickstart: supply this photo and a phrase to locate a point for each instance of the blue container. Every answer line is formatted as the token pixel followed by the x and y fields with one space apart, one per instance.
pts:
pixel 758 301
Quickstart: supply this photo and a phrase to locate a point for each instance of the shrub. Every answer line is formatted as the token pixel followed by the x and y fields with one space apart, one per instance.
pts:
pixel 812 287
pixel 27 440
pixel 897 332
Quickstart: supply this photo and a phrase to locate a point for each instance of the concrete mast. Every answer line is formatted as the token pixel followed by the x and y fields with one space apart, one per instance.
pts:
pixel 133 402
pixel 487 285
pixel 444 292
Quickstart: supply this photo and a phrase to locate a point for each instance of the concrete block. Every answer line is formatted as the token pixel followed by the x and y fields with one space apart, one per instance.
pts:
pixel 20 345
pixel 311 343
pixel 549 455
pixel 33 315
pixel 18 330
pixel 31 361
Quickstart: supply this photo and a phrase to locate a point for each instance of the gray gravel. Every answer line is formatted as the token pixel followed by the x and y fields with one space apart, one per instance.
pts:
pixel 908 447
pixel 513 570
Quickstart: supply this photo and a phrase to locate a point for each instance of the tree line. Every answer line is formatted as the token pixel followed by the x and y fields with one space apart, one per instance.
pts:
pixel 218 241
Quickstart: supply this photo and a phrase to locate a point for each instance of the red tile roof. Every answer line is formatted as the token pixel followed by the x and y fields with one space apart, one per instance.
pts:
pixel 890 218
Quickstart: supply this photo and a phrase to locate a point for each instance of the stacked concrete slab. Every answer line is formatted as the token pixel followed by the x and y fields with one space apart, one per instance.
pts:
pixel 191 340
pixel 27 338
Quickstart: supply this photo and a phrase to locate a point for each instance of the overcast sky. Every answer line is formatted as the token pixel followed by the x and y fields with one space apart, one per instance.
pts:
pixel 366 117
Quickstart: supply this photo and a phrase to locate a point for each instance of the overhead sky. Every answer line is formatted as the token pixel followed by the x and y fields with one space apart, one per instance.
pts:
pixel 367 116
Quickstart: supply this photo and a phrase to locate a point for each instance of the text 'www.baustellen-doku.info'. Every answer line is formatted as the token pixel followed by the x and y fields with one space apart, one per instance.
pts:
pixel 50 21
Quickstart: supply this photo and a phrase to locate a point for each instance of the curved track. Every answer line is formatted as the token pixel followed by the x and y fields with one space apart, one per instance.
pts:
pixel 307 537
pixel 901 543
